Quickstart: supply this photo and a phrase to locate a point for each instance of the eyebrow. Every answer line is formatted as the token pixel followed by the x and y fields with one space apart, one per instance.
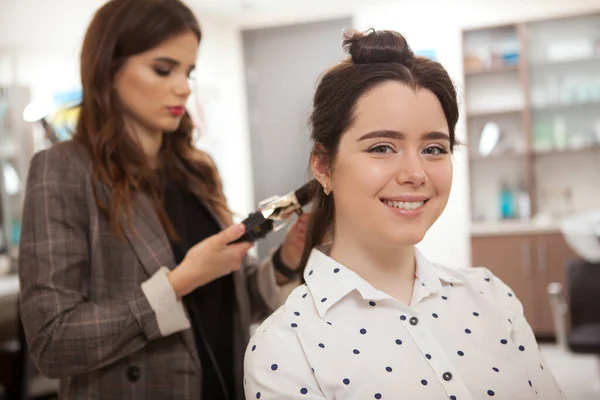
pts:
pixel 390 134
pixel 172 61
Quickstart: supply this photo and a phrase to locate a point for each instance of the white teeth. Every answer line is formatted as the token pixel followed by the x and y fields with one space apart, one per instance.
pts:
pixel 406 205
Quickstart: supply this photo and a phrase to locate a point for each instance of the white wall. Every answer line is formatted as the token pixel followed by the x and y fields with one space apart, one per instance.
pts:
pixel 221 80
pixel 437 25
pixel 41 40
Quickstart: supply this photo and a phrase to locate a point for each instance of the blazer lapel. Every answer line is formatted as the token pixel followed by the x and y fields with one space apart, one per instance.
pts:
pixel 147 236
pixel 151 244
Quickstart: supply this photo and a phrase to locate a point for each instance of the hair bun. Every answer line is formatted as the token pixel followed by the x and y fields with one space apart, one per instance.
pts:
pixel 377 47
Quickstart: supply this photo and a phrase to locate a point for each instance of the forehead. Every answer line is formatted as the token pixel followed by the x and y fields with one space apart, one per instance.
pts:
pixel 396 106
pixel 182 47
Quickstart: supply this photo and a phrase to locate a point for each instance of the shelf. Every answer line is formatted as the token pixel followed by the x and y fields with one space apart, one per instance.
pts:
pixel 495 113
pixel 493 70
pixel 501 156
pixel 551 63
pixel 582 150
pixel 561 107
pixel 511 227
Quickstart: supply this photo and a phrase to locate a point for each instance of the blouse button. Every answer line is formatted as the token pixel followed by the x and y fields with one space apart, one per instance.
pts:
pixel 447 376
pixel 414 321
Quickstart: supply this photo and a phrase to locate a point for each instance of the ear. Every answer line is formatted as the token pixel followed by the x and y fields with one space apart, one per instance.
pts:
pixel 320 165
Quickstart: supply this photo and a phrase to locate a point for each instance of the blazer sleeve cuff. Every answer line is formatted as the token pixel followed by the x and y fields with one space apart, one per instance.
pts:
pixel 170 312
pixel 273 294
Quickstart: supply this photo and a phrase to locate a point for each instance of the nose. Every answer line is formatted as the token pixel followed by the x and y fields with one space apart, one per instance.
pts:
pixel 411 171
pixel 182 86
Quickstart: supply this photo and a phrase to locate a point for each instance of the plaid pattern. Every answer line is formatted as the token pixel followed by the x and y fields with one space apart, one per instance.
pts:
pixel 86 318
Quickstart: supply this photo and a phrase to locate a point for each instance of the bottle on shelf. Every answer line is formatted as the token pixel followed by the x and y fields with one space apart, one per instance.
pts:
pixel 523 202
pixel 507 201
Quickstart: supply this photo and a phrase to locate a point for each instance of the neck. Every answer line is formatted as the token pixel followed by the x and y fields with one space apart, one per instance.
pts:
pixel 390 269
pixel 150 141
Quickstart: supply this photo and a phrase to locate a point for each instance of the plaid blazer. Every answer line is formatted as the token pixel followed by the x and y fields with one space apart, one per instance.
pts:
pixel 88 320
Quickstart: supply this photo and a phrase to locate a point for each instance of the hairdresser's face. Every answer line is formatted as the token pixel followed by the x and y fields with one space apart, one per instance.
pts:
pixel 153 86
pixel 392 175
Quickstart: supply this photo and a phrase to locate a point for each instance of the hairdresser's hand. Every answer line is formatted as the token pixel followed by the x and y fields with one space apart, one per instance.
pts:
pixel 208 260
pixel 293 244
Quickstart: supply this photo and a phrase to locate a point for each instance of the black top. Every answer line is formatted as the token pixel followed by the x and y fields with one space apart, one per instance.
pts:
pixel 211 306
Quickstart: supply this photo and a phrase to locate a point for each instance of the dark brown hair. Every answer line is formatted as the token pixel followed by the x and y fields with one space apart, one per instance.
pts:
pixel 121 29
pixel 375 57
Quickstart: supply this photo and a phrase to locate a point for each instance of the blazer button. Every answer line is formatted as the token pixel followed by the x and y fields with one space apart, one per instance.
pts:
pixel 133 374
pixel 447 376
pixel 414 321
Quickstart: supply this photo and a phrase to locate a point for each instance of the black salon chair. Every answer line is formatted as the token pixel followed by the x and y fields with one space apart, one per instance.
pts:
pixel 577 320
pixel 584 307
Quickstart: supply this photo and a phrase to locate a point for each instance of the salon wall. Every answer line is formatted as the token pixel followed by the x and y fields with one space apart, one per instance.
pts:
pixel 436 25
pixel 39 47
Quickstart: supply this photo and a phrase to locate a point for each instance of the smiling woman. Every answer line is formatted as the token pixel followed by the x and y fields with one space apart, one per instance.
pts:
pixel 376 319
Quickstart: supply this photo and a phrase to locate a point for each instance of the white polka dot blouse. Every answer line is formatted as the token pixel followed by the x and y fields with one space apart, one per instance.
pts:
pixel 463 337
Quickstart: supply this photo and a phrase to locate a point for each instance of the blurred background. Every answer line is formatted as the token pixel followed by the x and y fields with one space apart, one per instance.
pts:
pixel 526 196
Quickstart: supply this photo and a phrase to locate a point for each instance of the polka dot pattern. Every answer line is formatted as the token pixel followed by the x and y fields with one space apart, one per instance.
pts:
pixel 444 317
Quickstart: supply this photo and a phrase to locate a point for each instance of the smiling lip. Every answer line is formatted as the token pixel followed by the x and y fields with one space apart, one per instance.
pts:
pixel 176 111
pixel 405 212
pixel 407 197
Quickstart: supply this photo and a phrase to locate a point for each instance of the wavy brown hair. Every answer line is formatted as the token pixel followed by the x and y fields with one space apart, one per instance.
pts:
pixel 375 57
pixel 121 29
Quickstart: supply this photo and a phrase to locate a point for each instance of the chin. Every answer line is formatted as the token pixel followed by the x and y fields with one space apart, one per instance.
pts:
pixel 167 124
pixel 168 128
pixel 410 239
pixel 409 235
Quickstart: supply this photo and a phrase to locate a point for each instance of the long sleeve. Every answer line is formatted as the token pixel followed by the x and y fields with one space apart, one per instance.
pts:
pixel 275 369
pixel 266 295
pixel 68 334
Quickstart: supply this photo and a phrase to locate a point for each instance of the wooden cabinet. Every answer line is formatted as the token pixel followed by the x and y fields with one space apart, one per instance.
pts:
pixel 527 263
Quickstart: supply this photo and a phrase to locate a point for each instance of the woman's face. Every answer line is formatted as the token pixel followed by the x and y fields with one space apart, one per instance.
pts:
pixel 392 175
pixel 153 86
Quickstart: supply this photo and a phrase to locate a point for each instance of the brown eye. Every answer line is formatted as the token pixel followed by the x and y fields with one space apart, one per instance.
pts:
pixel 162 71
pixel 381 149
pixel 435 151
